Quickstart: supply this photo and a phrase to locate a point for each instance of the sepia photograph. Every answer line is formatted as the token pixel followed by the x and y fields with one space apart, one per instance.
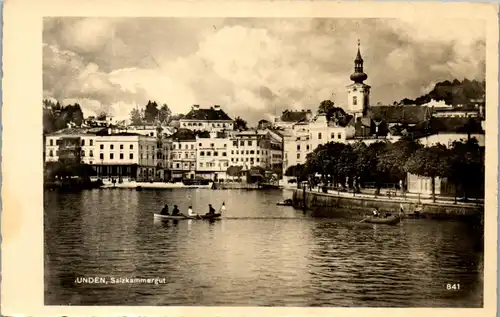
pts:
pixel 264 161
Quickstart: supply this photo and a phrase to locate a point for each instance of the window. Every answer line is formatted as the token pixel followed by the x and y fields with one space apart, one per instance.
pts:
pixel 201 164
pixel 83 142
pixel 224 154
pixel 202 153
pixel 177 165
pixel 121 156
pixel 141 156
pixel 225 164
pixel 319 135
pixel 339 135
pixel 237 159
pixel 246 152
pixel 82 153
pixel 354 100
pixel 211 144
pixel 173 146
pixel 111 146
pixel 91 153
pixel 249 143
pixel 110 156
pixel 51 142
pixel 147 156
pixel 199 144
pixel 232 159
pixel 246 159
pixel 208 153
pixel 102 146
pixel 257 159
pixel 298 147
pixel 251 159
pixel 131 146
pixel 225 145
pixel 101 156
pixel 332 136
pixel 50 152
pixel 121 146
pixel 238 152
pixel 186 155
pixel 298 155
pixel 232 151
pixel 91 144
pixel 187 147
pixel 131 156
pixel 192 146
pixel 235 143
pixel 216 153
pixel 242 143
pixel 258 152
pixel 252 152
pixel 307 147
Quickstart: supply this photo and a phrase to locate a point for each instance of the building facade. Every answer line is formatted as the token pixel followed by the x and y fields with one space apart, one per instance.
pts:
pixel 213 156
pixel 183 154
pixel 211 119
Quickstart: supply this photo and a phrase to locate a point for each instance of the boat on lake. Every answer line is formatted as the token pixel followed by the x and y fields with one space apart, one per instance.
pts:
pixel 286 202
pixel 389 220
pixel 184 217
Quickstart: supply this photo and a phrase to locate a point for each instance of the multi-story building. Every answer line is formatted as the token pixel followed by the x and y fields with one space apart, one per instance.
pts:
pixel 183 154
pixel 118 156
pixel 256 148
pixel 212 155
pixel 211 119
pixel 126 155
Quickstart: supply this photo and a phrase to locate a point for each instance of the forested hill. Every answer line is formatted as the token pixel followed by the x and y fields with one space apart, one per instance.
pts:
pixel 453 93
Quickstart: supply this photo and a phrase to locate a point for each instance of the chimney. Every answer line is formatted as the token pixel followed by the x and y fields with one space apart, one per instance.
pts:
pixel 196 107
pixel 216 107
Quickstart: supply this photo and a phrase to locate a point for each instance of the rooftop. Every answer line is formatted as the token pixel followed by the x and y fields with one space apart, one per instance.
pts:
pixel 399 114
pixel 207 114
pixel 447 125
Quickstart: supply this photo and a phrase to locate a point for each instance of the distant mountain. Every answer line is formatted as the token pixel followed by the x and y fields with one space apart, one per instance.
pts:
pixel 453 93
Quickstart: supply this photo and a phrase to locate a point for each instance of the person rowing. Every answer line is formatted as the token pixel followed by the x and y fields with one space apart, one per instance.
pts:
pixel 164 210
pixel 375 213
pixel 175 212
pixel 211 210
pixel 191 213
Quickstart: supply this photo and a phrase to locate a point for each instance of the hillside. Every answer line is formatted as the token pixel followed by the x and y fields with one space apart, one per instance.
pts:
pixel 453 93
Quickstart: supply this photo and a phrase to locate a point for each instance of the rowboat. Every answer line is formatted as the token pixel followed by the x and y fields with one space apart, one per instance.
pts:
pixel 390 220
pixel 287 202
pixel 184 217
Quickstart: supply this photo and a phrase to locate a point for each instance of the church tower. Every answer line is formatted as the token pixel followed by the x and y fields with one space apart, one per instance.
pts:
pixel 358 93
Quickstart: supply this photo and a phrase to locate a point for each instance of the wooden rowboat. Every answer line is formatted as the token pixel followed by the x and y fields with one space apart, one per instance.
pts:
pixel 184 217
pixel 390 220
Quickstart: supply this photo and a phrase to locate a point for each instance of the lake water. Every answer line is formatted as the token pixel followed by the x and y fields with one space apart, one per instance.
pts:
pixel 258 254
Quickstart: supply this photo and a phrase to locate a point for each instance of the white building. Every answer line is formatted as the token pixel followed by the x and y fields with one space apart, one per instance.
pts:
pixel 254 148
pixel 212 156
pixel 122 155
pixel 210 119
pixel 183 154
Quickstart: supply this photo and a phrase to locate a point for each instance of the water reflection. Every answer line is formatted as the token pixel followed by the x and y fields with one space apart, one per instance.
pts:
pixel 259 254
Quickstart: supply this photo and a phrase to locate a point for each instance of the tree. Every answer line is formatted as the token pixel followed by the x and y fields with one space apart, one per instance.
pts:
pixel 394 159
pixel 466 166
pixel 164 113
pixel 135 117
pixel 240 124
pixel 430 162
pixel 102 115
pixel 151 112
pixel 328 108
pixel 264 124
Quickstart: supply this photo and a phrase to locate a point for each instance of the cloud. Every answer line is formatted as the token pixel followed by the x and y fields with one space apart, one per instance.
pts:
pixel 253 68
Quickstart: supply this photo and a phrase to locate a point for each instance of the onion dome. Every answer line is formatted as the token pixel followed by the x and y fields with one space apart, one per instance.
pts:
pixel 358 76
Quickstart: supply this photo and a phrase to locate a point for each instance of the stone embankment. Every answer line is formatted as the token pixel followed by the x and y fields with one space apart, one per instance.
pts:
pixel 329 204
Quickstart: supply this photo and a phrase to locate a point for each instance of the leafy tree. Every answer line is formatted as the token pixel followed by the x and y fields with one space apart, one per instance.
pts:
pixel 102 115
pixel 467 166
pixel 240 124
pixel 430 162
pixel 135 117
pixel 164 113
pixel 394 159
pixel 151 112
pixel 264 124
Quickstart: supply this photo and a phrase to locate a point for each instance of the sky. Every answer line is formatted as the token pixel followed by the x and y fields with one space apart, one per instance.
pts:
pixel 253 67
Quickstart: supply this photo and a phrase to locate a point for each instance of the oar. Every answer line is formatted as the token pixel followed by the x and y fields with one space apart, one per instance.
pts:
pixel 363 220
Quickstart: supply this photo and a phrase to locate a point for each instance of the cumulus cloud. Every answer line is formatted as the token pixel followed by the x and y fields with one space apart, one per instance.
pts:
pixel 254 68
